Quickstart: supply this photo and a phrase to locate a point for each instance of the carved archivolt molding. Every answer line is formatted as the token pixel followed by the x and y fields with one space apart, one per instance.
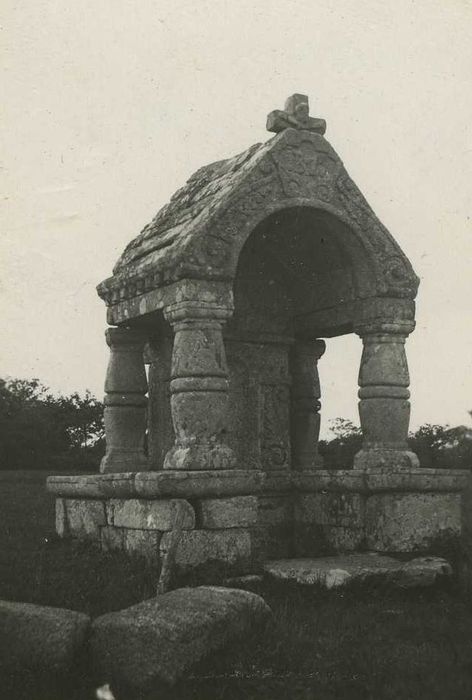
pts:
pixel 203 229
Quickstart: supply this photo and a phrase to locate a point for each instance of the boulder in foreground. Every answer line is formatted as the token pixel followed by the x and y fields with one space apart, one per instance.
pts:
pixel 40 637
pixel 157 640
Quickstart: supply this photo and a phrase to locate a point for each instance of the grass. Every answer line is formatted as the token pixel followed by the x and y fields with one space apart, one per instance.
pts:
pixel 359 644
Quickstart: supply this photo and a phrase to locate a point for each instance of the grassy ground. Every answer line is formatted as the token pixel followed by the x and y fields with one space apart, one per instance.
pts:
pixel 360 644
pixel 364 644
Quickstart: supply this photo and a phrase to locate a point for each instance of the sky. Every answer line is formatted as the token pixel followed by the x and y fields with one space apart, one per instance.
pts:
pixel 112 104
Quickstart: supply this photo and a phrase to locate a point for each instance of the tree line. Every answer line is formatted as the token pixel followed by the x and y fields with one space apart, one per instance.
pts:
pixel 41 430
pixel 437 446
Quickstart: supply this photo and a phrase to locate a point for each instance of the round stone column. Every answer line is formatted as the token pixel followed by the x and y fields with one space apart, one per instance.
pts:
pixel 384 408
pixel 305 417
pixel 125 402
pixel 199 388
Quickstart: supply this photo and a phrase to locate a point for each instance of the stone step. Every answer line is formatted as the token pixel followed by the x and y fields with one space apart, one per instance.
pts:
pixel 336 571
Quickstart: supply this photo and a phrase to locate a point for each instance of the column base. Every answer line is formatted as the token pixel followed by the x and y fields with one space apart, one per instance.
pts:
pixel 124 461
pixel 375 459
pixel 195 457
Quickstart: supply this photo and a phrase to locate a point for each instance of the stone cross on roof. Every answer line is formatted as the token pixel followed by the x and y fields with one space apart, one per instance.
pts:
pixel 295 116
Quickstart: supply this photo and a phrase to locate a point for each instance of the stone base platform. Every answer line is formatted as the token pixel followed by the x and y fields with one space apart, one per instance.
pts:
pixel 246 517
pixel 353 510
pixel 220 513
pixel 334 572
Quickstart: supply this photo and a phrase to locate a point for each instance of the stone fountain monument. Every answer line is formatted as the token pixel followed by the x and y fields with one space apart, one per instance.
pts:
pixel 227 296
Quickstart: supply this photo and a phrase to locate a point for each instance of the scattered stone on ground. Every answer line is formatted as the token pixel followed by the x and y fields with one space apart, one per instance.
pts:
pixel 40 637
pixel 157 640
pixel 335 571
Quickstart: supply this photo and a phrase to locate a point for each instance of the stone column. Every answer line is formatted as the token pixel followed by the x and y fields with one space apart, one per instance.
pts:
pixel 384 408
pixel 199 388
pixel 305 417
pixel 125 402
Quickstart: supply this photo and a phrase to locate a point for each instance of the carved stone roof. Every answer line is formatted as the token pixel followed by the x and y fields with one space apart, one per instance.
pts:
pixel 200 232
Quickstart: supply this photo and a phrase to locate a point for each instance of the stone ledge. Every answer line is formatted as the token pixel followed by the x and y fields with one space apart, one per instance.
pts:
pixel 92 485
pixel 158 484
pixel 422 480
pixel 239 482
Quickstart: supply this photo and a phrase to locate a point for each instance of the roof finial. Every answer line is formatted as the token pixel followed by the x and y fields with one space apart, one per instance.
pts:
pixel 295 116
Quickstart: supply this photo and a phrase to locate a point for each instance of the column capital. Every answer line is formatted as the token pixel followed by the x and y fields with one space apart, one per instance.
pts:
pixel 314 347
pixel 195 311
pixel 388 329
pixel 118 337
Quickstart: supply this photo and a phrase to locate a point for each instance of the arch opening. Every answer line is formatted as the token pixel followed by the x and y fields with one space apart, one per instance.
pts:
pixel 296 262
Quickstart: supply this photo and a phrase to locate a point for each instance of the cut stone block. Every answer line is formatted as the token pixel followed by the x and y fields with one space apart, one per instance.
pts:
pixel 39 637
pixel 272 541
pixel 80 518
pixel 332 572
pixel 143 542
pixel 199 546
pixel 220 513
pixel 112 539
pixel 150 515
pixel 405 522
pixel 314 540
pixel 275 510
pixel 157 640
pixel 338 509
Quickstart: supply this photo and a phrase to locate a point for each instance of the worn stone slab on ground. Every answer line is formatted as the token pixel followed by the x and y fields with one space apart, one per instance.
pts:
pixel 336 571
pixel 159 639
pixel 39 637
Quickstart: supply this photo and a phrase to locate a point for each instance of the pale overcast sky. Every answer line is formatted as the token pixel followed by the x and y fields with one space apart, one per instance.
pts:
pixel 112 104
